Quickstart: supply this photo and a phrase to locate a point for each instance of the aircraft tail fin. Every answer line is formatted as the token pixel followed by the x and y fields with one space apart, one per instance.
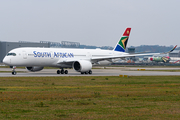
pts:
pixel 121 45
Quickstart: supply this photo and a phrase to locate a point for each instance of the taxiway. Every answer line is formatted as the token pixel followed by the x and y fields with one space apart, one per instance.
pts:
pixel 130 71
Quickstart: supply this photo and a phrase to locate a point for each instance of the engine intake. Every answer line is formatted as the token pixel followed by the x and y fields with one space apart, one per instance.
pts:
pixel 34 68
pixel 82 65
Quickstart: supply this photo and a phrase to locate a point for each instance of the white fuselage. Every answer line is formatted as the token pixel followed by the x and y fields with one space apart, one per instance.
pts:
pixel 55 56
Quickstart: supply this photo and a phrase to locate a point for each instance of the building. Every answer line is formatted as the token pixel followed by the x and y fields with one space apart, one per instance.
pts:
pixel 131 50
pixel 5 47
pixel 175 53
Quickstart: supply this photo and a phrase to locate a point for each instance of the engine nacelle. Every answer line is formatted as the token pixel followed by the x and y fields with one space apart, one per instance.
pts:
pixel 34 68
pixel 82 65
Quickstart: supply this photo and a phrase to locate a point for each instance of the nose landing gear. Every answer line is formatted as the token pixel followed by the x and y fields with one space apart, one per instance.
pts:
pixel 13 70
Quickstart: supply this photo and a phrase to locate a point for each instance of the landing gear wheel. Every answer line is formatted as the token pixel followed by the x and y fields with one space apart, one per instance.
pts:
pixel 13 72
pixel 66 72
pixel 90 72
pixel 86 72
pixel 58 71
pixel 62 71
pixel 82 72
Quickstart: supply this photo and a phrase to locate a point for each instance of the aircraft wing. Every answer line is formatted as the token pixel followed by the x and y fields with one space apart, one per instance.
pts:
pixel 121 56
pixel 96 59
pixel 129 55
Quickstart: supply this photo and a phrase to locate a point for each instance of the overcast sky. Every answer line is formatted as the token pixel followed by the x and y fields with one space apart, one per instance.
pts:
pixel 91 22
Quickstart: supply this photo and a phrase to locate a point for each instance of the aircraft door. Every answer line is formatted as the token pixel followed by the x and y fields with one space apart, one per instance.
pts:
pixel 88 55
pixel 24 55
pixel 52 55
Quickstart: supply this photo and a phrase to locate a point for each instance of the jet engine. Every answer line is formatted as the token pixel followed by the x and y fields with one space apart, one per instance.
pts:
pixel 34 68
pixel 82 65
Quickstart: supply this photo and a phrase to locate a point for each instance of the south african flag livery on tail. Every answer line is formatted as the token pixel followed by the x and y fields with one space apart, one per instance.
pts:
pixel 121 45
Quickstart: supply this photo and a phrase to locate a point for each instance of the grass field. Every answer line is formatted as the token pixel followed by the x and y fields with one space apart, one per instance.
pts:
pixel 144 97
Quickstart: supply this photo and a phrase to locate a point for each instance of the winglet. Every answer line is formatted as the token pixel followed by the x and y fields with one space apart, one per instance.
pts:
pixel 121 45
pixel 172 49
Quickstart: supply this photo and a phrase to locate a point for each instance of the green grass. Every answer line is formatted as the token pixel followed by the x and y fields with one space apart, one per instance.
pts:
pixel 136 97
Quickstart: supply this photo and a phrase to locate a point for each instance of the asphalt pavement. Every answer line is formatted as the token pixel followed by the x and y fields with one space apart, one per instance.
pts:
pixel 108 71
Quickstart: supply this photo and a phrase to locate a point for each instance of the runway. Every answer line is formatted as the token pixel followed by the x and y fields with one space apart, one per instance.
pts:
pixel 130 71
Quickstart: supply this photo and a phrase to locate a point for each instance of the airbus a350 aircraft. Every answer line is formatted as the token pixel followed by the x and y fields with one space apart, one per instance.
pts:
pixel 81 60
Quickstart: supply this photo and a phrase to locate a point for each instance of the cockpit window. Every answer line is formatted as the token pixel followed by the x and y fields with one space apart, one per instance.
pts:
pixel 11 54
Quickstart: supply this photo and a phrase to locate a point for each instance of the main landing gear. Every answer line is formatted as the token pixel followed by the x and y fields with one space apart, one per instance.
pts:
pixel 13 70
pixel 62 71
pixel 87 72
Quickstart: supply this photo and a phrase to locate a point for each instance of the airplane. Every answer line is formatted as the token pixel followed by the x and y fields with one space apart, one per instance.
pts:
pixel 81 60
pixel 165 59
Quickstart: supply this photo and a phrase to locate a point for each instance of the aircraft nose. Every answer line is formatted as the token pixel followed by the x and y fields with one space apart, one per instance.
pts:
pixel 6 60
